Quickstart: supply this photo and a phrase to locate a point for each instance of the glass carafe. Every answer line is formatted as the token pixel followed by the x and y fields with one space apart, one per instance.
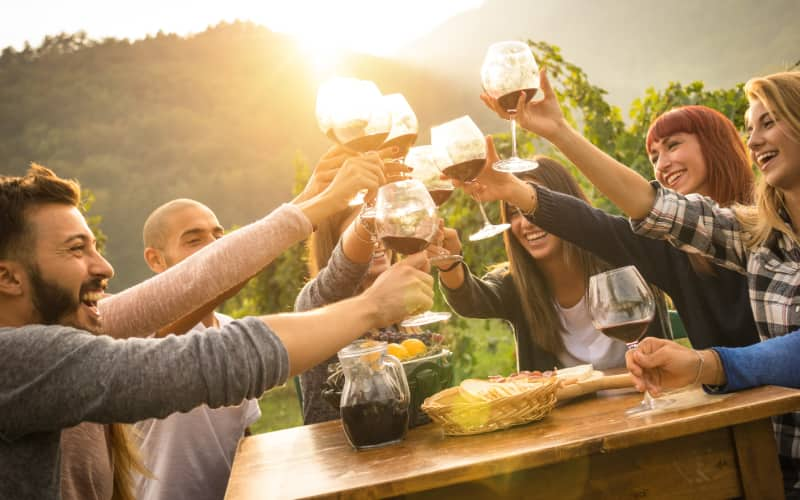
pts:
pixel 375 397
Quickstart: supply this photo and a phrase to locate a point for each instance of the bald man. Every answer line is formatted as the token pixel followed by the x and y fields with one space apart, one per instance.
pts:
pixel 189 454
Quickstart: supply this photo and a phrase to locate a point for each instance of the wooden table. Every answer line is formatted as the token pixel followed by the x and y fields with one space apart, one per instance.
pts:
pixel 585 449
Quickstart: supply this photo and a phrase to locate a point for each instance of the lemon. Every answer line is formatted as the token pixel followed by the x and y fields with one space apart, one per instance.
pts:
pixel 415 347
pixel 397 351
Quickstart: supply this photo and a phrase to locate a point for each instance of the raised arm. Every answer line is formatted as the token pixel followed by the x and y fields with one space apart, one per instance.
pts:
pixel 202 280
pixel 627 189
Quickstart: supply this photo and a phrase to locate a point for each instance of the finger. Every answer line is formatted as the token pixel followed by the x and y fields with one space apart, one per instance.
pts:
pixel 390 152
pixel 544 82
pixel 521 100
pixel 491 151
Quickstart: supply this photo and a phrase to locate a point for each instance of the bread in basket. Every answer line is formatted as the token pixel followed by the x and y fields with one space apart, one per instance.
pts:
pixel 478 406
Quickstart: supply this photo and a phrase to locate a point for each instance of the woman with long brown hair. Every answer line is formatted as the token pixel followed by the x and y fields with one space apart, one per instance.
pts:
pixel 542 291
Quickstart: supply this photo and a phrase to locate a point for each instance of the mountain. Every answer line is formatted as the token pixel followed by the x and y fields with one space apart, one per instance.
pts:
pixel 220 117
pixel 626 47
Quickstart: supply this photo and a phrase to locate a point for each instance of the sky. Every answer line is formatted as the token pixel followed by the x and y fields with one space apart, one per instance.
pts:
pixel 378 27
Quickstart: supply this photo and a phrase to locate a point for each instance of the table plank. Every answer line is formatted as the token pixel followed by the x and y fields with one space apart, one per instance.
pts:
pixel 752 440
pixel 317 460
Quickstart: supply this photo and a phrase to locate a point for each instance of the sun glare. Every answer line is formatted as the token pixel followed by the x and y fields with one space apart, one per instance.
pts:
pixel 378 27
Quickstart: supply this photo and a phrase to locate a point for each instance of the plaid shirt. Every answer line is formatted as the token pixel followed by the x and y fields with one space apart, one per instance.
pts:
pixel 697 224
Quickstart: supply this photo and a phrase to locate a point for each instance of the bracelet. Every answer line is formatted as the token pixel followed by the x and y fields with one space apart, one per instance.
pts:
pixel 450 267
pixel 699 368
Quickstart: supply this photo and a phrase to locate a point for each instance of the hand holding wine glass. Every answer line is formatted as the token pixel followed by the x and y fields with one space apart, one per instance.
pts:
pixel 466 149
pixel 509 74
pixel 406 222
pixel 540 116
pixel 622 307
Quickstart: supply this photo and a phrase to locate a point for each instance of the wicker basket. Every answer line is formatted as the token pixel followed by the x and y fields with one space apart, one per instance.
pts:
pixel 461 414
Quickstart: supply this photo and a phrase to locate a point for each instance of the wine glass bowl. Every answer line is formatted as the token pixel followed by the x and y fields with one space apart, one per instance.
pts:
pixel 621 303
pixel 427 163
pixel 509 69
pixel 404 127
pixel 350 112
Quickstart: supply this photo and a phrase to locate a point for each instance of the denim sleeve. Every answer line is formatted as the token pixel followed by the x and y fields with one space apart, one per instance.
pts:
pixel 771 362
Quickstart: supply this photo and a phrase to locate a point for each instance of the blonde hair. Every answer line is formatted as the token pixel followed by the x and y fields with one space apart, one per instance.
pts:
pixel 125 460
pixel 780 95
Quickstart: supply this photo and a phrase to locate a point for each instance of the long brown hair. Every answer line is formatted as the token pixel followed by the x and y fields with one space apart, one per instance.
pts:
pixel 324 239
pixel 535 292
pixel 780 94
pixel 729 175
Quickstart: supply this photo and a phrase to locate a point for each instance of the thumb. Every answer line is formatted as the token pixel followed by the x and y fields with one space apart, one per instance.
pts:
pixel 544 82
pixel 491 151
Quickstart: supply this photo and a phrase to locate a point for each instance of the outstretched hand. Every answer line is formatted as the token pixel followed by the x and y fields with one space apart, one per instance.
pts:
pixel 540 116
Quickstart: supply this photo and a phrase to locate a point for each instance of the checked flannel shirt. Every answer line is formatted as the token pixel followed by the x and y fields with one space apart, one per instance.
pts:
pixel 695 223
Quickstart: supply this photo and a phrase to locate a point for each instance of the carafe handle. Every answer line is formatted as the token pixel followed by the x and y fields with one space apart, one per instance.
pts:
pixel 399 372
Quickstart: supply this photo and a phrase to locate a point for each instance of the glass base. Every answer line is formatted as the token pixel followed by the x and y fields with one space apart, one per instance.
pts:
pixel 488 230
pixel 648 404
pixel 426 318
pixel 515 164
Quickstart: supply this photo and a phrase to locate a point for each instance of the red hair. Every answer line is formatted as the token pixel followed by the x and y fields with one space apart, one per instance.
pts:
pixel 730 177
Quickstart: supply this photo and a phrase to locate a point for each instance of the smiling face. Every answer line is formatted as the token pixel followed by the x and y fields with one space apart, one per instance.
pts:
pixel 186 227
pixel 772 148
pixel 539 244
pixel 67 275
pixel 679 163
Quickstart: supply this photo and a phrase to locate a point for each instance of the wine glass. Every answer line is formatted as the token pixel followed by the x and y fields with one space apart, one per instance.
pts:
pixel 509 69
pixel 351 113
pixel 406 222
pixel 427 162
pixel 466 148
pixel 404 128
pixel 622 307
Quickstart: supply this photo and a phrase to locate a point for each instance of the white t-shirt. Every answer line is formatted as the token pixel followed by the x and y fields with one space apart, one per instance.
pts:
pixel 585 344
pixel 190 454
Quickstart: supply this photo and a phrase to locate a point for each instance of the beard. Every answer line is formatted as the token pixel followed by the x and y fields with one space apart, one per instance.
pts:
pixel 53 303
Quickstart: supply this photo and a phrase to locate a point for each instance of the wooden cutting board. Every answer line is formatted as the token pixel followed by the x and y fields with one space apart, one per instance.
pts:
pixel 598 381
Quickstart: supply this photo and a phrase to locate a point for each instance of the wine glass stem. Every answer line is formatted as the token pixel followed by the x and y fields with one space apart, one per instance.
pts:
pixel 513 136
pixel 483 212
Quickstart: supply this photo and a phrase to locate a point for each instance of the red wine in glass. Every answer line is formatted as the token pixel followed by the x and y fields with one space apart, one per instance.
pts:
pixel 404 244
pixel 509 101
pixel 440 195
pixel 628 332
pixel 466 171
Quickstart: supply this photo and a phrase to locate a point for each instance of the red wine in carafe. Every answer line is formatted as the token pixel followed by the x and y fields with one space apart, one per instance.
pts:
pixel 509 101
pixel 375 423
pixel 627 332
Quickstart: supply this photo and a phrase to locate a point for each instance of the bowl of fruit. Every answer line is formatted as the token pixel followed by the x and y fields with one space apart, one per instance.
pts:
pixel 426 361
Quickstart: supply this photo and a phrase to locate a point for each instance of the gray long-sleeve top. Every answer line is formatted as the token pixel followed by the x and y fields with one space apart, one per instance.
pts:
pixel 54 377
pixel 338 280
